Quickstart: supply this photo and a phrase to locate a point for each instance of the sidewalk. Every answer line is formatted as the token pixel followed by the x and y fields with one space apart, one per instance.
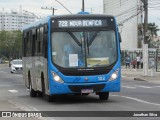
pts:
pixel 137 74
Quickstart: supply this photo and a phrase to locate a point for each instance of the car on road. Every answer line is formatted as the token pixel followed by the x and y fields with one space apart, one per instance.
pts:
pixel 16 66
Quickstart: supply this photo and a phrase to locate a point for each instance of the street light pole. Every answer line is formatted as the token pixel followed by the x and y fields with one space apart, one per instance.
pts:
pixel 53 9
pixel 145 42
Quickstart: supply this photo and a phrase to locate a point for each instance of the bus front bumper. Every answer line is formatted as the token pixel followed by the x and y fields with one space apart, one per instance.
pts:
pixel 71 88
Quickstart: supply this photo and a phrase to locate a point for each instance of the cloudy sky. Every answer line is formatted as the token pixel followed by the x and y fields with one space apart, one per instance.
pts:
pixel 35 6
pixel 94 6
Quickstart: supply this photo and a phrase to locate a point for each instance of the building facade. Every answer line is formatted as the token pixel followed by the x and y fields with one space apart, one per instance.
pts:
pixel 127 13
pixel 15 20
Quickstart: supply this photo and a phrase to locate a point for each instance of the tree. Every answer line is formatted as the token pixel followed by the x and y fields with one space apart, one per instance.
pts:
pixel 11 44
pixel 153 28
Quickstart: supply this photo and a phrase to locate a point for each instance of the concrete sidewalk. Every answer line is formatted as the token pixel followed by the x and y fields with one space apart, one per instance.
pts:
pixel 137 74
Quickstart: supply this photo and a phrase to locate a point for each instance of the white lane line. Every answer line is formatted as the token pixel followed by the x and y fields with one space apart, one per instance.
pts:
pixel 24 107
pixel 138 100
pixel 142 86
pixel 3 72
pixel 142 101
pixel 128 87
pixel 18 75
pixel 124 76
pixel 10 85
pixel 13 91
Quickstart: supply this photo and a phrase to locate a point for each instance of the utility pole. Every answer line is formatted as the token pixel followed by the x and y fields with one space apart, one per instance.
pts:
pixel 145 42
pixel 53 9
pixel 82 5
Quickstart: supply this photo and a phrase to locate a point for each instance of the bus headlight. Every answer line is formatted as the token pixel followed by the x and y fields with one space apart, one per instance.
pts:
pixel 57 78
pixel 114 75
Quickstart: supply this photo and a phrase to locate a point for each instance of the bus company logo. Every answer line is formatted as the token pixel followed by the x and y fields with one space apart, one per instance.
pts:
pixel 86 79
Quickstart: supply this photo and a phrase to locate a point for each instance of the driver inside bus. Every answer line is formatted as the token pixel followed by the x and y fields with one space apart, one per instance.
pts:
pixel 68 50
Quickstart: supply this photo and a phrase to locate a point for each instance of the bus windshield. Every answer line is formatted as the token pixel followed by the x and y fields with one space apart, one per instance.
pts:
pixel 84 49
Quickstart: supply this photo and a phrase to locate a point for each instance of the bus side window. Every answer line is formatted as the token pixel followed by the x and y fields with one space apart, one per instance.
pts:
pixel 39 40
pixel 28 43
pixel 45 41
pixel 24 44
pixel 33 41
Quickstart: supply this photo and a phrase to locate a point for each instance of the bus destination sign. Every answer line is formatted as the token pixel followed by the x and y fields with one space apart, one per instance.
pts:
pixel 80 23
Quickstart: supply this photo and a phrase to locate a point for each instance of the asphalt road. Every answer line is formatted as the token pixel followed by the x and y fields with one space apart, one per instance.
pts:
pixel 134 96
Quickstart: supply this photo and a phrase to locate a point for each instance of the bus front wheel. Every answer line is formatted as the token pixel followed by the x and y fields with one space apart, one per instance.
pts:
pixel 50 98
pixel 103 95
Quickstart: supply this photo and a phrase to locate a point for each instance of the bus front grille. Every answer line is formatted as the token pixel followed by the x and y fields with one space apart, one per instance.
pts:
pixel 78 88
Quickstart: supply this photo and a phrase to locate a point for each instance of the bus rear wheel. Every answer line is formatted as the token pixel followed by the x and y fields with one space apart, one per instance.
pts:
pixel 32 92
pixel 103 95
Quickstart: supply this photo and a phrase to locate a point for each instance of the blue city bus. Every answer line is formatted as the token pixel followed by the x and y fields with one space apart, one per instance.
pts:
pixel 72 54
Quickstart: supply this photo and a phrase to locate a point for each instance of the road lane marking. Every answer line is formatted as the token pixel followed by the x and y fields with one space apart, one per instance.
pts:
pixel 136 99
pixel 20 75
pixel 3 72
pixel 10 85
pixel 142 101
pixel 13 91
pixel 128 87
pixel 142 86
pixel 124 76
pixel 29 108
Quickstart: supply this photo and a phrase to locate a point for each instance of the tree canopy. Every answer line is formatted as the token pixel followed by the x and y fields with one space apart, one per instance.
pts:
pixel 11 44
pixel 152 30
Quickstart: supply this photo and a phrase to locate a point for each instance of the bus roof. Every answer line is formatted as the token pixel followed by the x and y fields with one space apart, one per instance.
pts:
pixel 81 15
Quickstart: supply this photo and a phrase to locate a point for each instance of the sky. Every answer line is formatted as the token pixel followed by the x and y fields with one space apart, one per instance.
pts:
pixel 93 6
pixel 35 6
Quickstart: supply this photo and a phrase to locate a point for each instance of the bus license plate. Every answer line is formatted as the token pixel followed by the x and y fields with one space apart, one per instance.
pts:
pixel 87 91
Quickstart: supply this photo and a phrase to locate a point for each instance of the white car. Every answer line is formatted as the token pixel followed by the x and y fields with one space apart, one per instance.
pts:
pixel 16 66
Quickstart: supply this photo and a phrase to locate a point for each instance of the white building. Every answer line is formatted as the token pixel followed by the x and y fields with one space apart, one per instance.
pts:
pixel 125 12
pixel 15 20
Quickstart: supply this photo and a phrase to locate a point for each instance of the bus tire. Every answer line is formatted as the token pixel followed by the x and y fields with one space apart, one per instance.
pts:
pixel 42 93
pixel 49 98
pixel 103 95
pixel 43 86
pixel 33 93
pixel 39 94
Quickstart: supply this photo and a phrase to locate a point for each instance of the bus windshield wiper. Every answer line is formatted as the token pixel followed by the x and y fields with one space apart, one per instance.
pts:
pixel 92 39
pixel 87 45
pixel 74 38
